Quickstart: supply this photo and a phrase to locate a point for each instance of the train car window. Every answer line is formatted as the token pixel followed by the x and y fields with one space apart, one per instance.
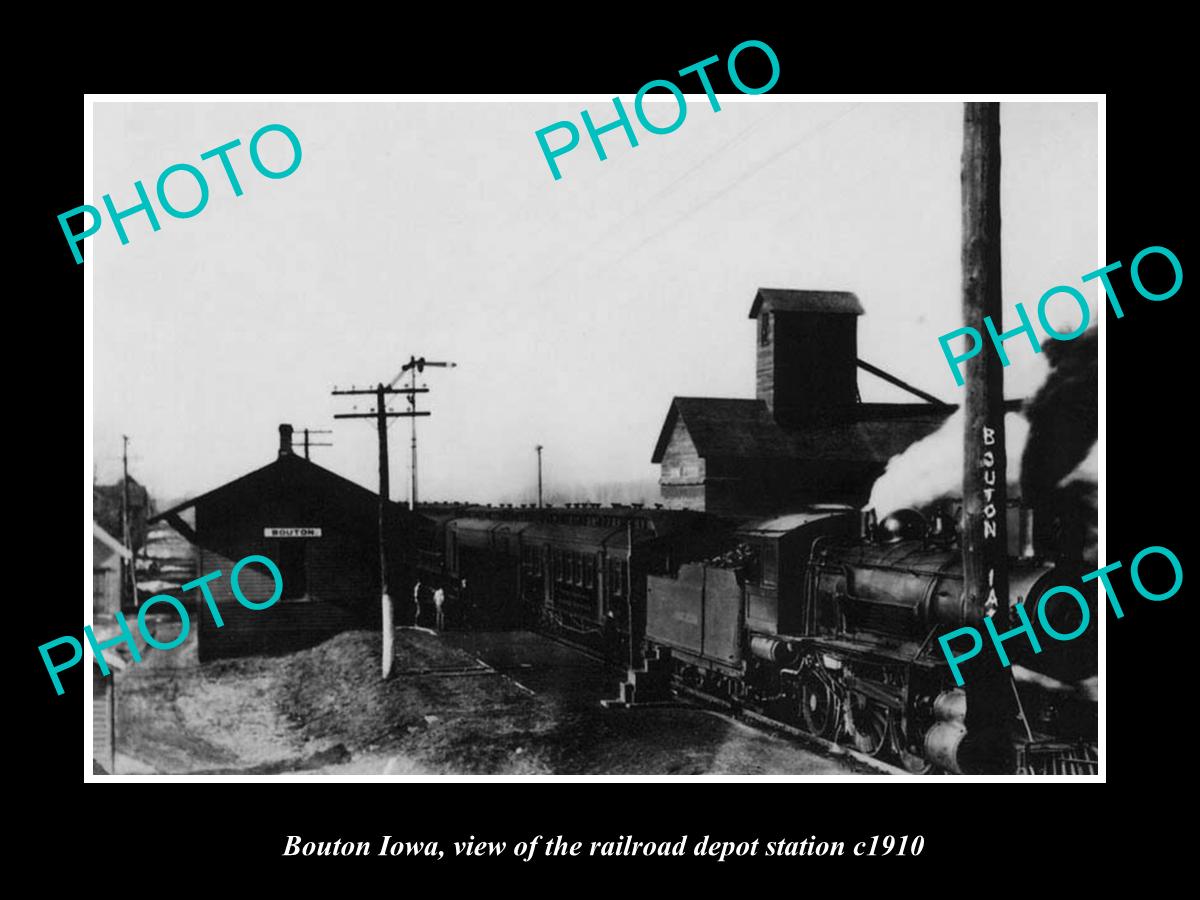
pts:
pixel 764 329
pixel 769 560
pixel 589 572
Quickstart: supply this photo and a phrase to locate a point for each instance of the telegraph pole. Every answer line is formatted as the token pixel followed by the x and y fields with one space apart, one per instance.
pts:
pixel 413 366
pixel 990 709
pixel 381 414
pixel 539 453
pixel 629 590
pixel 307 444
pixel 126 528
pixel 412 427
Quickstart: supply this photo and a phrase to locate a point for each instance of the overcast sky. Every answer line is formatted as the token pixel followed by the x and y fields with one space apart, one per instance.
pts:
pixel 575 309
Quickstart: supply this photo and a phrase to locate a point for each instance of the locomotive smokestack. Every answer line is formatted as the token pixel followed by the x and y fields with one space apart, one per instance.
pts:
pixel 867 525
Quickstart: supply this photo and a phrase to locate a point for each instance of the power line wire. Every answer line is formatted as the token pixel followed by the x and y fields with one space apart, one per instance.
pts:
pixel 604 235
pixel 643 243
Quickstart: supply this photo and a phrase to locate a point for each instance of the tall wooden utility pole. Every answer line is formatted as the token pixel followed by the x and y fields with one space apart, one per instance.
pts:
pixel 126 526
pixel 413 366
pixel 629 590
pixel 539 453
pixel 381 414
pixel 307 443
pixel 990 709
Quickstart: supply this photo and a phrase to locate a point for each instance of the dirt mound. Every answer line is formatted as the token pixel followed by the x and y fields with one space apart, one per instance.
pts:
pixel 440 705
pixel 355 655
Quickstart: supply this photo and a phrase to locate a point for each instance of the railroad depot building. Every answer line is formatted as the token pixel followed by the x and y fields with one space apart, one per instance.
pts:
pixel 806 437
pixel 319 528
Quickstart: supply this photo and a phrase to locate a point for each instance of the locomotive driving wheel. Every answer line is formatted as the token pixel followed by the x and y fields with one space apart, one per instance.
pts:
pixel 819 705
pixel 867 724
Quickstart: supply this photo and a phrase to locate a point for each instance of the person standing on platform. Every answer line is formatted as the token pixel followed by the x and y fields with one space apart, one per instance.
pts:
pixel 417 603
pixel 439 599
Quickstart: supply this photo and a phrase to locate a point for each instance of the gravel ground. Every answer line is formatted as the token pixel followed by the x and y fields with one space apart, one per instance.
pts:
pixel 326 711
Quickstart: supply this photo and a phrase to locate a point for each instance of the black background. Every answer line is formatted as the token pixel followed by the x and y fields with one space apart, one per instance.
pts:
pixel 975 833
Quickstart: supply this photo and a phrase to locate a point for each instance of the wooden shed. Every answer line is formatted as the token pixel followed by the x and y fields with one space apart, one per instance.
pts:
pixel 104 714
pixel 108 557
pixel 806 437
pixel 320 529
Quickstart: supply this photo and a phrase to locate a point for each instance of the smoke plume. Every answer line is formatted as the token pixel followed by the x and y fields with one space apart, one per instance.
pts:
pixel 1062 416
pixel 932 468
pixel 1059 467
pixel 1052 445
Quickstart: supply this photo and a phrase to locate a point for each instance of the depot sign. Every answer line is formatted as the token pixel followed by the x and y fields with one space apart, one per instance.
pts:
pixel 291 532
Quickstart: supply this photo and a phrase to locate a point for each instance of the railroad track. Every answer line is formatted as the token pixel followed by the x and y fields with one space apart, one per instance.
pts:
pixel 721 706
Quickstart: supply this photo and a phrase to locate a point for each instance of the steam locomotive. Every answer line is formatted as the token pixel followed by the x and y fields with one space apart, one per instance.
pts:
pixel 828 620
pixel 822 618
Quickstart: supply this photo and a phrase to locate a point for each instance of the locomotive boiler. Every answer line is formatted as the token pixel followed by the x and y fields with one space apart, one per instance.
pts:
pixel 830 622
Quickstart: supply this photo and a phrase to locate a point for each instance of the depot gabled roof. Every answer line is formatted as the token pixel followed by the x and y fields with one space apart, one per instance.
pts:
pixel 293 476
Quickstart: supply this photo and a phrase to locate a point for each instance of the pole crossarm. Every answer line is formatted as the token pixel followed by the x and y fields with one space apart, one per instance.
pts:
pixel 420 365
pixel 375 415
pixel 386 390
